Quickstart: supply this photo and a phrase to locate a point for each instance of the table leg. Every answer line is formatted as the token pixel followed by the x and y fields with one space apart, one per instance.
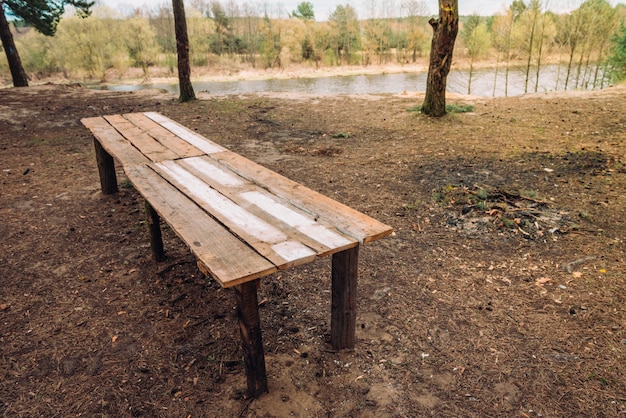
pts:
pixel 156 239
pixel 106 169
pixel 252 342
pixel 343 305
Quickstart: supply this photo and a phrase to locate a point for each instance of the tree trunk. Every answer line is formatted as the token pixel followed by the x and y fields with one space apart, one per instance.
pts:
pixel 471 72
pixel 540 52
pixel 569 65
pixel 182 47
pixel 20 79
pixel 531 39
pixel 599 62
pixel 495 75
pixel 558 69
pixel 445 30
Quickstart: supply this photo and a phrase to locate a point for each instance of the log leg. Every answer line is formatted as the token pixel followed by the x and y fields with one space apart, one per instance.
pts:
pixel 343 304
pixel 106 169
pixel 250 330
pixel 156 240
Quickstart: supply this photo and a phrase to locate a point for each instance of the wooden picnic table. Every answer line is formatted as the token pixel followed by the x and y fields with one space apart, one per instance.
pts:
pixel 241 220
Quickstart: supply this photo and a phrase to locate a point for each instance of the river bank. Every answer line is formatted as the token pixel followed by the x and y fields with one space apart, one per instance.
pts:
pixel 232 71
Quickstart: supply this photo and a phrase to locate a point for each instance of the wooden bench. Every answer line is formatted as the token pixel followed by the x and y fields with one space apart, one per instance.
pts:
pixel 242 221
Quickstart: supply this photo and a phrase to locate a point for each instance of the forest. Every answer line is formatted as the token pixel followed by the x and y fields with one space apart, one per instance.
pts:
pixel 229 37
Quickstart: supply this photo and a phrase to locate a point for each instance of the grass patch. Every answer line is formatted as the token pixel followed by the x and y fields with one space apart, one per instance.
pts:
pixel 459 108
pixel 52 140
pixel 451 108
pixel 415 205
pixel 530 194
pixel 225 106
pixel 126 184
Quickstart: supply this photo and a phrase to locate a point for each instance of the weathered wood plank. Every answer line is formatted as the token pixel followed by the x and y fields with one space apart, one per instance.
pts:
pixel 113 142
pixel 303 224
pixel 344 218
pixel 229 260
pixel 164 136
pixel 186 134
pixel 251 338
pixel 264 237
pixel 314 233
pixel 148 146
pixel 344 295
pixel 215 174
pixel 156 238
pixel 106 169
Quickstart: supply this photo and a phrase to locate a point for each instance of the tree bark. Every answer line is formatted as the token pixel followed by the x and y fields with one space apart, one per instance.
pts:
pixel 445 30
pixel 20 79
pixel 182 47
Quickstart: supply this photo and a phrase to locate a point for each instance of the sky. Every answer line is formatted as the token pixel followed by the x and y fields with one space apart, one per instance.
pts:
pixel 323 8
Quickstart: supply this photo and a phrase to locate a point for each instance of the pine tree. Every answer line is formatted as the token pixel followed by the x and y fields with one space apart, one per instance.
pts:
pixel 182 46
pixel 43 15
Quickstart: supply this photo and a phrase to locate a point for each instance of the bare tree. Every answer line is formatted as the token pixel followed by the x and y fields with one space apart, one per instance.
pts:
pixel 476 38
pixel 250 28
pixel 417 36
pixel 501 34
pixel 573 34
pixel 182 47
pixel 445 30
pixel 531 16
pixel 608 25
pixel 545 39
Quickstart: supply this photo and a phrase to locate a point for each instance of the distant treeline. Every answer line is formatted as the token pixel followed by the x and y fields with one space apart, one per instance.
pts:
pixel 233 37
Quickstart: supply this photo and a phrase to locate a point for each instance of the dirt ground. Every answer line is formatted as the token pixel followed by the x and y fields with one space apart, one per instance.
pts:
pixel 501 293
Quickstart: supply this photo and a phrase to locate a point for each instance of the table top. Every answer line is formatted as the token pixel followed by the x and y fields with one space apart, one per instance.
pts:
pixel 242 220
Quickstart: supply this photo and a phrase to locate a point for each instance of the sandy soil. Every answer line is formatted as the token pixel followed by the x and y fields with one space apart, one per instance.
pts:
pixel 501 292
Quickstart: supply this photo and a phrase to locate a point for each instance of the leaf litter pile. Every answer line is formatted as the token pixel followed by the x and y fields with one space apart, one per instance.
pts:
pixel 483 201
pixel 482 209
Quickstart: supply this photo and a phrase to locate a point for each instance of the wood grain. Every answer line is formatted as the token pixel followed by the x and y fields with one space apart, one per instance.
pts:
pixel 267 239
pixel 164 136
pixel 301 225
pixel 146 144
pixel 184 133
pixel 113 142
pixel 345 219
pixel 229 260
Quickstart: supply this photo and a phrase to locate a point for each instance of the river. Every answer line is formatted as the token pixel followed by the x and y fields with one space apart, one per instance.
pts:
pixel 551 78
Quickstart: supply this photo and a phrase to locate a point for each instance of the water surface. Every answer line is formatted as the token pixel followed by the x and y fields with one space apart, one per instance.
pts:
pixel 485 83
